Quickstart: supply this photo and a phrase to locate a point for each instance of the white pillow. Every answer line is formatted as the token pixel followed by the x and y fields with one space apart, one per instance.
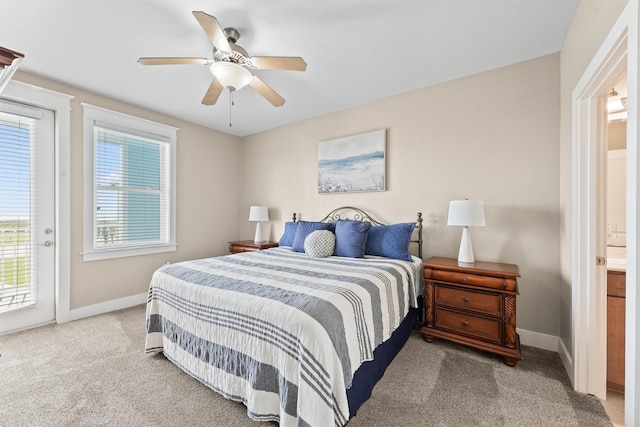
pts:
pixel 320 243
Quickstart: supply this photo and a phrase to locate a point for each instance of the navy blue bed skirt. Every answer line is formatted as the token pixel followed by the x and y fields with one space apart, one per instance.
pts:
pixel 369 373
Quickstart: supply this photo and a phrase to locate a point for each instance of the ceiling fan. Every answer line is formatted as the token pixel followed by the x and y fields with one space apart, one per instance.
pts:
pixel 230 64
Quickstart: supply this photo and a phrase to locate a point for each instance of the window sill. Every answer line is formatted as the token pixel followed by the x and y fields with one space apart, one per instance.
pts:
pixel 122 253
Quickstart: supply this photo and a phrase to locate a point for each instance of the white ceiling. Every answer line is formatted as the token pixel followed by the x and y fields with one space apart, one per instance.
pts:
pixel 357 51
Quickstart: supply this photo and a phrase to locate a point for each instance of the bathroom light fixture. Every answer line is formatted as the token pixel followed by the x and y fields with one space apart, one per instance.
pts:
pixel 230 74
pixel 258 214
pixel 466 213
pixel 614 103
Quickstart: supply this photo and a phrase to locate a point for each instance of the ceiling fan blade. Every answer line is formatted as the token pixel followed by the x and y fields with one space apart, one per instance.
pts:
pixel 213 93
pixel 266 91
pixel 170 60
pixel 213 29
pixel 293 63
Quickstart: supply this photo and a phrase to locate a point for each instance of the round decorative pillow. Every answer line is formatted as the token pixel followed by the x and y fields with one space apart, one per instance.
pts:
pixel 320 243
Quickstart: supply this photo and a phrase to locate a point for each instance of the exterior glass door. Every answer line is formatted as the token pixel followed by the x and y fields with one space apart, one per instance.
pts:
pixel 27 246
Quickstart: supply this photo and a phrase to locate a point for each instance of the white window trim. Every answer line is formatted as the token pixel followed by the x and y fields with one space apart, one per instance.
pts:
pixel 93 114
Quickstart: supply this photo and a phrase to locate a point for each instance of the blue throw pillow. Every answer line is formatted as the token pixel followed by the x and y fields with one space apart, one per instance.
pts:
pixel 289 234
pixel 351 237
pixel 391 241
pixel 303 229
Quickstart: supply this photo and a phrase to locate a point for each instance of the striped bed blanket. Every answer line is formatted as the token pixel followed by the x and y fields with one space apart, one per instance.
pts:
pixel 278 330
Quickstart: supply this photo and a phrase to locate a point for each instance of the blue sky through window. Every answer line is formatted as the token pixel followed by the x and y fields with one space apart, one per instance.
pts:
pixel 108 173
pixel 128 189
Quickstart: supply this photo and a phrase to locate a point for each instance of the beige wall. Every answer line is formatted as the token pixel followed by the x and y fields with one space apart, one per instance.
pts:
pixel 208 195
pixel 593 21
pixel 617 135
pixel 491 136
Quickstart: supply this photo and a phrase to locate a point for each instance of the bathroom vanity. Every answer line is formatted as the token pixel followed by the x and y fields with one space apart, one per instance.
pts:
pixel 616 282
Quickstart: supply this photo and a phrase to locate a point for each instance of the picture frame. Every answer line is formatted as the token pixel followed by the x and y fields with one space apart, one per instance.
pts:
pixel 353 164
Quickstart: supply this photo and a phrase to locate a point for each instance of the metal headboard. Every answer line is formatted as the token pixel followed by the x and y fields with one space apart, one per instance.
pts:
pixel 360 215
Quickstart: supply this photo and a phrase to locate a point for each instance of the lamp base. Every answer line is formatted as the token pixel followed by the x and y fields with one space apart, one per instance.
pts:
pixel 465 255
pixel 258 237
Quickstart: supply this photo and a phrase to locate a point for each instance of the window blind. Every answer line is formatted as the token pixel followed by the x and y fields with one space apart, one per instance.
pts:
pixel 131 190
pixel 18 145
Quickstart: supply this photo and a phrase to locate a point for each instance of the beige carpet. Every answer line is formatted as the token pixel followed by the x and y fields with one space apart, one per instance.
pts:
pixel 93 372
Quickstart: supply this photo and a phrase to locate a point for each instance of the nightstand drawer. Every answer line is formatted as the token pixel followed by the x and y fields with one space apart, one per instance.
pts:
pixel 237 249
pixel 470 300
pixel 469 279
pixel 468 324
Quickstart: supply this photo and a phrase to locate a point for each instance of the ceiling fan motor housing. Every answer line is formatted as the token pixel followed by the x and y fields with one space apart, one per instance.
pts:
pixel 237 53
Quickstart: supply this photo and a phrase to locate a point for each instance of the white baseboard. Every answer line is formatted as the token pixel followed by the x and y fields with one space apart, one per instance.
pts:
pixel 566 358
pixel 106 307
pixel 539 340
pixel 551 343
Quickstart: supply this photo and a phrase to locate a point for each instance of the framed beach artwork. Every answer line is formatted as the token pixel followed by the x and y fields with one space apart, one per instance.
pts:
pixel 353 163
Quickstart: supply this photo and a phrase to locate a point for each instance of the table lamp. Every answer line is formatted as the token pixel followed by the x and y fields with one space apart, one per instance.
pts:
pixel 258 214
pixel 466 213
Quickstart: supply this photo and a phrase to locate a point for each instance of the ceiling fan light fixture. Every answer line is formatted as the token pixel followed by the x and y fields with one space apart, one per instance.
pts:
pixel 231 75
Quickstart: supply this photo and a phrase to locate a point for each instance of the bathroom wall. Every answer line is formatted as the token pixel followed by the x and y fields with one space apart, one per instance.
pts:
pixel 616 194
pixel 616 184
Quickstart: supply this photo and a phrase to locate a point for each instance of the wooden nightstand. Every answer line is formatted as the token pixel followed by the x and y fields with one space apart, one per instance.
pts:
pixel 249 246
pixel 474 305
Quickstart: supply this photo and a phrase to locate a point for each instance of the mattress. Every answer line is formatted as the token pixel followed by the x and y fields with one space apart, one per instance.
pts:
pixel 278 330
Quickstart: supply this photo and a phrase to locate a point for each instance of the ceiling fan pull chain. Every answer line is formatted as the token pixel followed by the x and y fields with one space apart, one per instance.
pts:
pixel 230 104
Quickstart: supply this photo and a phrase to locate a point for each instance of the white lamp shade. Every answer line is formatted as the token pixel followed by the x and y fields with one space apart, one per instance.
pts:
pixel 466 213
pixel 259 213
pixel 230 74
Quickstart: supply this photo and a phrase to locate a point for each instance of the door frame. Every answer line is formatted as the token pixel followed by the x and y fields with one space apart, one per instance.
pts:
pixel 617 54
pixel 60 104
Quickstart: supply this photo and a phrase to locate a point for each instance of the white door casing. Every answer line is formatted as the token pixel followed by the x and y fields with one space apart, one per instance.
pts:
pixel 60 104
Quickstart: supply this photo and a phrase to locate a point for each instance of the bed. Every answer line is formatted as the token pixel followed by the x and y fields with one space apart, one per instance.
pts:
pixel 300 339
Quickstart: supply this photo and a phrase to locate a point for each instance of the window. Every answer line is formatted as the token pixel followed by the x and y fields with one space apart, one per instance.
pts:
pixel 129 199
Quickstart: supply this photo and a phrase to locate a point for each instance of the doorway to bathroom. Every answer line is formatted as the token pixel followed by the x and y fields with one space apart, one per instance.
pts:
pixel 618 55
pixel 616 251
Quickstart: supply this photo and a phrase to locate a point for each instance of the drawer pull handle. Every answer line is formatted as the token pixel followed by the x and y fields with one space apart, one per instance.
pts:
pixel 465 299
pixel 465 279
pixel 465 323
